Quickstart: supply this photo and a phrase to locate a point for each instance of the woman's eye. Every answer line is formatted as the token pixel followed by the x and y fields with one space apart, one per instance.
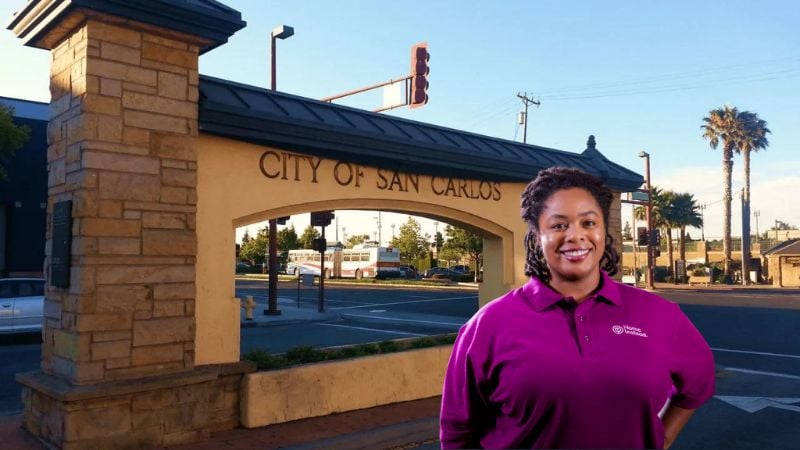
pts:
pixel 559 226
pixel 590 223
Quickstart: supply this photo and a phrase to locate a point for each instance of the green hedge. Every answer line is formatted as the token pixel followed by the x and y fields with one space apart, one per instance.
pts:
pixel 307 355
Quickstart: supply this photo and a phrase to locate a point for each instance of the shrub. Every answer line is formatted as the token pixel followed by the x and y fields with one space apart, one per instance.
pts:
pixel 305 354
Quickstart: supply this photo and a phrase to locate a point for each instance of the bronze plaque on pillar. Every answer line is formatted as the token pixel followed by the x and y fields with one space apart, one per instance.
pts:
pixel 62 241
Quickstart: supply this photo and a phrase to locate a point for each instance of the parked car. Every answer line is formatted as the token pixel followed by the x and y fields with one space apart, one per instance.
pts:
pixel 461 268
pixel 243 267
pixel 441 272
pixel 408 272
pixel 21 305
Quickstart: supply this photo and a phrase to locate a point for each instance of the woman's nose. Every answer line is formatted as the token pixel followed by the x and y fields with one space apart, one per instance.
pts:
pixel 575 233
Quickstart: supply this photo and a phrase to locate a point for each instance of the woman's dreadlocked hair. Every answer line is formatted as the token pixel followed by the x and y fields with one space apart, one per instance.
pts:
pixel 548 182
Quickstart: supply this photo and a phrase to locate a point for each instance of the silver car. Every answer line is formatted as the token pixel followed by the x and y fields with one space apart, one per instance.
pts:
pixel 21 305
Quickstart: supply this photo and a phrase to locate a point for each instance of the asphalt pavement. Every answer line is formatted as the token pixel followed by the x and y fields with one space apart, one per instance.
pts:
pixel 751 330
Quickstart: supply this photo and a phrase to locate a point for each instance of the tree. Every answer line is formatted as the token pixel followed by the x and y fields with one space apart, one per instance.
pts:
pixel 660 216
pixel 255 249
pixel 12 137
pixel 752 139
pixel 287 239
pixel 685 213
pixel 410 241
pixel 438 241
pixel 466 243
pixel 723 126
pixel 354 240
pixel 626 231
pixel 308 236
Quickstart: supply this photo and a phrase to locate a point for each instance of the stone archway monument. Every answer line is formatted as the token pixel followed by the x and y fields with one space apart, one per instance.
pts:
pixel 151 167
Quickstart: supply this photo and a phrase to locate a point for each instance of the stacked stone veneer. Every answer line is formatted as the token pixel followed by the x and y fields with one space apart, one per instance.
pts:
pixel 144 413
pixel 123 120
pixel 118 344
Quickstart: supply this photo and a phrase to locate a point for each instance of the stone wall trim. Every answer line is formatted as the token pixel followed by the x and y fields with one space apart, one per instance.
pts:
pixel 61 390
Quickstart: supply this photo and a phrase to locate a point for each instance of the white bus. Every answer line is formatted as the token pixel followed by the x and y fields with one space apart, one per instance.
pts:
pixel 366 262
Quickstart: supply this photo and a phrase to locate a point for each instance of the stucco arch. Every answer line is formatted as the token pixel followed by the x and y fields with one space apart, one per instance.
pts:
pixel 233 191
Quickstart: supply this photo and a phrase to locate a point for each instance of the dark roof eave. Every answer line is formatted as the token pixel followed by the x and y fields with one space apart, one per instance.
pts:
pixel 260 116
pixel 209 20
pixel 360 150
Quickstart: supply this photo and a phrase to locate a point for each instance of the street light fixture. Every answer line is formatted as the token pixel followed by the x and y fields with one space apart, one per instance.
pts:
pixel 280 32
pixel 651 234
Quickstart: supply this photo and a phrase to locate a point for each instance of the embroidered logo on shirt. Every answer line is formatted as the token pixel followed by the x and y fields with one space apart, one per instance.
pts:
pixel 627 329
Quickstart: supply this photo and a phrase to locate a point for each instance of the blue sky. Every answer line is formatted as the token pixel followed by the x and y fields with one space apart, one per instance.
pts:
pixel 639 75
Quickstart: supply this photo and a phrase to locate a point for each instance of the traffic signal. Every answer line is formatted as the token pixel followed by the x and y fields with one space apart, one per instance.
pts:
pixel 319 245
pixel 657 237
pixel 641 232
pixel 282 220
pixel 419 75
pixel 321 218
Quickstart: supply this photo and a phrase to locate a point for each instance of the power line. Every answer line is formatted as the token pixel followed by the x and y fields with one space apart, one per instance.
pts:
pixel 702 73
pixel 526 101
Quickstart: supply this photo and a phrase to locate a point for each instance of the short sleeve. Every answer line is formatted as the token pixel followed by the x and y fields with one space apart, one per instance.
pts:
pixel 463 409
pixel 691 365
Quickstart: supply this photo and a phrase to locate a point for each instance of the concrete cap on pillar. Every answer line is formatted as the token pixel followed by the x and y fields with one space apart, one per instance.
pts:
pixel 44 23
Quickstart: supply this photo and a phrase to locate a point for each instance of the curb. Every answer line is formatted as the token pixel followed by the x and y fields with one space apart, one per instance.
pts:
pixel 390 436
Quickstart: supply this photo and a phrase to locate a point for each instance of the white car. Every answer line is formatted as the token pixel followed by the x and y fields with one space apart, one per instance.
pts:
pixel 21 305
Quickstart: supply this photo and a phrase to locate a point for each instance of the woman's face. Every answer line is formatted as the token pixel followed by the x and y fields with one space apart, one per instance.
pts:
pixel 572 234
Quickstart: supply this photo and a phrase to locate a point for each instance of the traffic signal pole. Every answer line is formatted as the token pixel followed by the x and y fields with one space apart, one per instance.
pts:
pixel 321 302
pixel 652 238
pixel 416 83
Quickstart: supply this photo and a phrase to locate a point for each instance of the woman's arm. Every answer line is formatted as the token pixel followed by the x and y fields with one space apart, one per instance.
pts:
pixel 674 420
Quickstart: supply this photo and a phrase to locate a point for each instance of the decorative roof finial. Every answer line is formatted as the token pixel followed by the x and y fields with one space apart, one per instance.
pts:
pixel 590 143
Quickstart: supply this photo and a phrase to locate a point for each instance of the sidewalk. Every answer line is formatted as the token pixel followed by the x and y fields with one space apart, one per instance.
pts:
pixel 407 425
pixel 289 313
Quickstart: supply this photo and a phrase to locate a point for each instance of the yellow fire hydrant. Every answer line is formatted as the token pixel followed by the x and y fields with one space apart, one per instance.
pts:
pixel 249 305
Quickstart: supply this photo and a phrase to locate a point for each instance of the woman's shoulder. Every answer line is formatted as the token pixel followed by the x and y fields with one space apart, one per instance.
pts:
pixel 640 298
pixel 498 311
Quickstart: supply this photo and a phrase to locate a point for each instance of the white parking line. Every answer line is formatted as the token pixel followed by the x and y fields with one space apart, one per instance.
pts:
pixel 294 299
pixel 408 320
pixel 748 352
pixel 407 302
pixel 760 372
pixel 368 329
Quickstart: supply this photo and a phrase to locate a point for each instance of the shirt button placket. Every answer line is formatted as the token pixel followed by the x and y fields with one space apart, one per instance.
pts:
pixel 582 327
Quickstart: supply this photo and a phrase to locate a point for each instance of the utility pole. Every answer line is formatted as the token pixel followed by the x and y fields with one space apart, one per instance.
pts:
pixel 378 235
pixel 702 222
pixel 526 101
pixel 756 214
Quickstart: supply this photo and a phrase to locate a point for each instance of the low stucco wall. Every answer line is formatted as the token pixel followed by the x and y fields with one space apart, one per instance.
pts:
pixel 320 389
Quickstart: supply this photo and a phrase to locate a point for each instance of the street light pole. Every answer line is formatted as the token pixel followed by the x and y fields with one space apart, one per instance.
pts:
pixel 280 32
pixel 651 235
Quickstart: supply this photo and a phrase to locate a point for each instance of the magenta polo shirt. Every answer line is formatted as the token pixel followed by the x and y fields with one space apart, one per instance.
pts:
pixel 535 370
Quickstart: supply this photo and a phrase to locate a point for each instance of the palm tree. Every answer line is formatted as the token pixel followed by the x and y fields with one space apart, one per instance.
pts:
pixel 686 213
pixel 723 125
pixel 661 216
pixel 752 139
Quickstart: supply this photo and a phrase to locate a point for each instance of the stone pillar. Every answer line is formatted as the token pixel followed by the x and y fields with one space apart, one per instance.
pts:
pixel 123 117
pixel 118 343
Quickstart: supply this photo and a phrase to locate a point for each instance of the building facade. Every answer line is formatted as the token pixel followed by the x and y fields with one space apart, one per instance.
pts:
pixel 23 195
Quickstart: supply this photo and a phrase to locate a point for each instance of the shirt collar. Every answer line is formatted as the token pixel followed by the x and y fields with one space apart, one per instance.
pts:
pixel 543 296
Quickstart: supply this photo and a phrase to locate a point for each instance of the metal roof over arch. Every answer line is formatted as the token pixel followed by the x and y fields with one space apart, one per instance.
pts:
pixel 286 121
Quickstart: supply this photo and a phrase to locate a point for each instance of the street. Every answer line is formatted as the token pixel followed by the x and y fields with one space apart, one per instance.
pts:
pixel 757 401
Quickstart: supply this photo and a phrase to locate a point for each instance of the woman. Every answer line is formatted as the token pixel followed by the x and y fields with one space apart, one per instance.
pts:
pixel 573 359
